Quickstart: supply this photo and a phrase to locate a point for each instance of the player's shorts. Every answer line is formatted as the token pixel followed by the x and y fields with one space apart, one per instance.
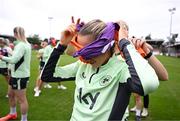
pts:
pixel 18 83
pixel 4 71
pixel 41 65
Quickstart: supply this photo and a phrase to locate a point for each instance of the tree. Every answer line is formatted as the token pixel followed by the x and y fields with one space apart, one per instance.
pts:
pixel 34 39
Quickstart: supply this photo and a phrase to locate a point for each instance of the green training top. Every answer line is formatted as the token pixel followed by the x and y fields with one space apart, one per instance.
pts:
pixel 46 52
pixel 103 93
pixel 8 51
pixel 41 51
pixel 20 60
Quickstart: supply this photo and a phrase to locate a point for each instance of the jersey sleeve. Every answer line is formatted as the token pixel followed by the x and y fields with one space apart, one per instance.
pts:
pixel 51 73
pixel 65 72
pixel 18 52
pixel 9 51
pixel 143 78
pixel 47 52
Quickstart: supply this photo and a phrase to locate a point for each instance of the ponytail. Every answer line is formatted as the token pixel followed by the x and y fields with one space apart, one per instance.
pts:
pixel 20 33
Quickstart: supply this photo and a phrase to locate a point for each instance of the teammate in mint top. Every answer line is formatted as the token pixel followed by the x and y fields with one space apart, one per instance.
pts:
pixel 21 59
pixel 20 73
pixel 103 82
pixel 5 51
pixel 42 59
pixel 4 66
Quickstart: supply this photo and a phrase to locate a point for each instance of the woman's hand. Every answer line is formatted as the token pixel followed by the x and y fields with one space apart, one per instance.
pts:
pixel 69 33
pixel 141 43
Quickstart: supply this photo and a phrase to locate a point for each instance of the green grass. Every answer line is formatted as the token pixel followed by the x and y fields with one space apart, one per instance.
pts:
pixel 54 104
pixel 165 102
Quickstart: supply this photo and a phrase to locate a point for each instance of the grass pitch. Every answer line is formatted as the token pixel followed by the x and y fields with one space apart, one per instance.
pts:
pixel 54 104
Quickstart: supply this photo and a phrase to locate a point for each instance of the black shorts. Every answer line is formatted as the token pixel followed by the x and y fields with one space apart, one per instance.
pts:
pixel 4 71
pixel 18 83
pixel 41 65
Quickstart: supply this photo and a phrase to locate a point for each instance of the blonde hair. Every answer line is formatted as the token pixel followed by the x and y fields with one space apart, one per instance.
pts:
pixel 20 33
pixel 93 28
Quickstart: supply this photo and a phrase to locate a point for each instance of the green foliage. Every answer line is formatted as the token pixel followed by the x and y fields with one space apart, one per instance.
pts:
pixel 34 39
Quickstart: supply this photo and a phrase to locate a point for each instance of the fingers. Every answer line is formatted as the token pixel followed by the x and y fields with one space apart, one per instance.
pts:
pixel 142 42
pixel 70 31
pixel 77 22
pixel 72 28
pixel 138 43
pixel 149 46
pixel 72 19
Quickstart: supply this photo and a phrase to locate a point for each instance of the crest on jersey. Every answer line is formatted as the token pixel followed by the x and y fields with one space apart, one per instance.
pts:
pixel 105 80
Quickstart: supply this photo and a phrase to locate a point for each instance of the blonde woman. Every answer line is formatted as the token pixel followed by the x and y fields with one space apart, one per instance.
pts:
pixel 103 83
pixel 20 73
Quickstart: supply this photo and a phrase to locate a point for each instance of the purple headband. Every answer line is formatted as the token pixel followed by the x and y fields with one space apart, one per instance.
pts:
pixel 79 26
pixel 103 43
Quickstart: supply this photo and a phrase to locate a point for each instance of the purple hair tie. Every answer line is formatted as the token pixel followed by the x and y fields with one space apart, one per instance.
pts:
pixel 79 26
pixel 103 43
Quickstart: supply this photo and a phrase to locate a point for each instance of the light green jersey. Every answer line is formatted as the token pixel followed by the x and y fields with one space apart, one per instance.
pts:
pixel 20 60
pixel 41 51
pixel 97 90
pixel 46 52
pixel 4 64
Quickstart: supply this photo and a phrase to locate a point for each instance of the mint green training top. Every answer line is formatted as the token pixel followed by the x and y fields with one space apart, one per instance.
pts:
pixel 46 52
pixel 102 94
pixel 20 60
pixel 4 64
pixel 41 51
